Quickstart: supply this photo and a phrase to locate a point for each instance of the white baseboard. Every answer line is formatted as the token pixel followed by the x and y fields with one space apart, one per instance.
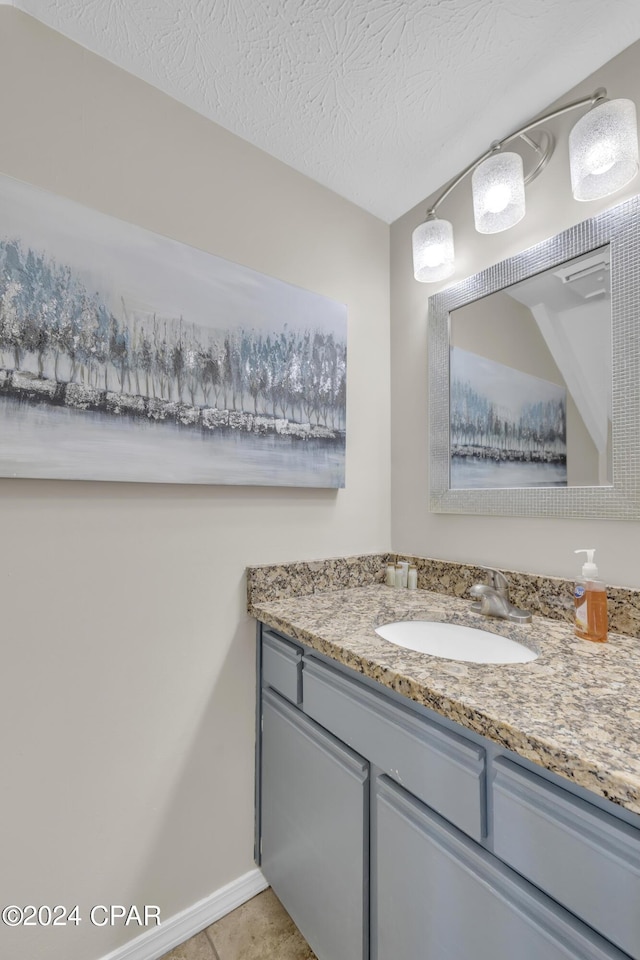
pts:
pixel 170 933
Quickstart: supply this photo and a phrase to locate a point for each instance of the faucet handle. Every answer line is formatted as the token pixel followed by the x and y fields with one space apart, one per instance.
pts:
pixel 498 581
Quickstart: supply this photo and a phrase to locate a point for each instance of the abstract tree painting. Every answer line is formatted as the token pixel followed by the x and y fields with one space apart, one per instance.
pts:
pixel 125 355
pixel 507 428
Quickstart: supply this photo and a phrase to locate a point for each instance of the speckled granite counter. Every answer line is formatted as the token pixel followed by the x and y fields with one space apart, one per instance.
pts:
pixel 575 710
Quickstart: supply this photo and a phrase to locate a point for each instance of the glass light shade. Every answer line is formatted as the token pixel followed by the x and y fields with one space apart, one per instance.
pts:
pixel 498 192
pixel 433 257
pixel 603 150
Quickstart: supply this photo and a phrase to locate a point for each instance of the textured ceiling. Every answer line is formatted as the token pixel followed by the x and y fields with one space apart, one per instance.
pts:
pixel 383 101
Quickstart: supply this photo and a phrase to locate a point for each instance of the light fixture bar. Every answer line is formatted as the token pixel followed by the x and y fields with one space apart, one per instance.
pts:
pixel 596 97
pixel 603 157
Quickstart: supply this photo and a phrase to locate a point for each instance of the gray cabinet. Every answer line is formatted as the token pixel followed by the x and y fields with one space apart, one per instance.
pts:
pixel 391 834
pixel 315 830
pixel 439 896
pixel 584 858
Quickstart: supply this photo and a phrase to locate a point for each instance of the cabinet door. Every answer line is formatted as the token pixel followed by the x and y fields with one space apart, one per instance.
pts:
pixel 580 855
pixel 436 895
pixel 315 830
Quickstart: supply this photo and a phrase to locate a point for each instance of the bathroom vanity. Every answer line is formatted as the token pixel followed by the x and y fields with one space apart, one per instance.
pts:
pixel 410 807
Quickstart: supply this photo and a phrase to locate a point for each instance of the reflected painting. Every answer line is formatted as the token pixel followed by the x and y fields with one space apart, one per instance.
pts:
pixel 125 355
pixel 507 428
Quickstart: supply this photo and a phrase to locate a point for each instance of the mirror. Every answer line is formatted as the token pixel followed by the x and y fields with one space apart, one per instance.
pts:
pixel 533 366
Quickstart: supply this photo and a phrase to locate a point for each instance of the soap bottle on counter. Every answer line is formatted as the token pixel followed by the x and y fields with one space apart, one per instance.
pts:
pixel 590 595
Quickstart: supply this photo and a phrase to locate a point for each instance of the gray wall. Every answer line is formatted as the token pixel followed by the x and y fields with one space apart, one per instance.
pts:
pixel 535 545
pixel 127 681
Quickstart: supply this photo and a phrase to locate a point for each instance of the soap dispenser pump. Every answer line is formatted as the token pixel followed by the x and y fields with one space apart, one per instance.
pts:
pixel 590 595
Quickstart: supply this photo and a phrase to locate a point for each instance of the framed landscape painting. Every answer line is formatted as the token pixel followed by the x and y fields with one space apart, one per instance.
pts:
pixel 125 355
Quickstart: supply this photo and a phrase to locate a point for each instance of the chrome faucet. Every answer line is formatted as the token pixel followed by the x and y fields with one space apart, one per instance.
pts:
pixel 493 599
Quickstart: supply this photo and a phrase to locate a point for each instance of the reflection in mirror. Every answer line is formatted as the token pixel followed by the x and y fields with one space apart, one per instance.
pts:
pixel 531 381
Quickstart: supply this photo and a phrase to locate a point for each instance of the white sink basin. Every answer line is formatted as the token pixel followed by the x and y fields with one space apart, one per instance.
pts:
pixel 455 642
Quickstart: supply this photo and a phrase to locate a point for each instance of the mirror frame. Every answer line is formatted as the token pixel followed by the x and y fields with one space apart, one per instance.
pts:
pixel 619 227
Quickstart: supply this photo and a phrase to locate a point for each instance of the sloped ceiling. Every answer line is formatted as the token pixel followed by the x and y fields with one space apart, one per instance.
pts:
pixel 383 101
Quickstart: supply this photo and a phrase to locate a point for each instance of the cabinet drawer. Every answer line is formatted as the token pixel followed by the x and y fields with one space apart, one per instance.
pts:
pixel 582 856
pixel 444 770
pixel 282 666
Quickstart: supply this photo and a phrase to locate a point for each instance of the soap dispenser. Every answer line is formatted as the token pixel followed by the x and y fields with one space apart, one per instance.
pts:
pixel 590 595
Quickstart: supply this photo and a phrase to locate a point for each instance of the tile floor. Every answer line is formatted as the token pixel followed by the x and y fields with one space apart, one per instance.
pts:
pixel 258 930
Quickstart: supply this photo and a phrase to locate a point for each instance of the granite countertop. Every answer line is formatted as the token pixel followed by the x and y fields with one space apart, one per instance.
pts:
pixel 575 710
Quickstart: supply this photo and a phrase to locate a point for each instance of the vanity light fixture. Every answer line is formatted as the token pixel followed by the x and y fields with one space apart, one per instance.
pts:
pixel 498 192
pixel 433 256
pixel 603 158
pixel 603 150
